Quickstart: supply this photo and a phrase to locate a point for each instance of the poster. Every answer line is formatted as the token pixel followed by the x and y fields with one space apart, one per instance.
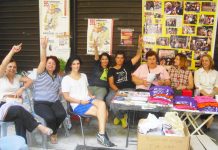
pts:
pixel 182 26
pixel 101 32
pixel 126 35
pixel 55 25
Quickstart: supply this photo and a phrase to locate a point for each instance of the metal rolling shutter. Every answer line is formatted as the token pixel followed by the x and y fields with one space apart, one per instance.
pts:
pixel 128 13
pixel 19 22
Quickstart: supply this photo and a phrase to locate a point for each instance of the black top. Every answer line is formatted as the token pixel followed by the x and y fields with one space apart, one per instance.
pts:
pixel 122 77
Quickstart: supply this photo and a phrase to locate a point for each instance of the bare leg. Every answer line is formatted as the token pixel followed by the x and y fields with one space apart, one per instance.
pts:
pixel 99 111
pixel 209 123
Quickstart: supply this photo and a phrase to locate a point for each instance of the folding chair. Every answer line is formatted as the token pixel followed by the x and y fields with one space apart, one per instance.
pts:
pixel 71 113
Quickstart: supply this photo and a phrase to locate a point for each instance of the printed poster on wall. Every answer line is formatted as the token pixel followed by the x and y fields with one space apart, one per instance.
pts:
pixel 55 25
pixel 126 35
pixel 101 32
pixel 182 26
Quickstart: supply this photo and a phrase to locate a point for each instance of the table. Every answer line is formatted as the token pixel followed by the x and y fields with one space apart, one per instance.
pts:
pixel 190 115
pixel 121 105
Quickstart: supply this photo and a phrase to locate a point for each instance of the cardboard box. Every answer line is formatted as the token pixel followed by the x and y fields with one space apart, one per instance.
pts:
pixel 153 142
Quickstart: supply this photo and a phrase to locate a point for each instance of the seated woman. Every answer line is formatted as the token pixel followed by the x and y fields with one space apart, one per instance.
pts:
pixel 75 90
pixel 10 92
pixel 119 77
pixel 150 73
pixel 206 80
pixel 181 78
pixel 98 84
pixel 46 90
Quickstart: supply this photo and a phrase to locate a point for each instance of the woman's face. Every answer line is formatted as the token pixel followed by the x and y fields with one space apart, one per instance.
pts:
pixel 50 65
pixel 104 61
pixel 75 66
pixel 119 59
pixel 11 69
pixel 177 61
pixel 205 63
pixel 152 61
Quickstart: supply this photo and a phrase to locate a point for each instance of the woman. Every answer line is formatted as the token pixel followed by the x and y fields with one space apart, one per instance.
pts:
pixel 46 89
pixel 181 77
pixel 75 91
pixel 206 80
pixel 150 73
pixel 11 92
pixel 98 84
pixel 119 77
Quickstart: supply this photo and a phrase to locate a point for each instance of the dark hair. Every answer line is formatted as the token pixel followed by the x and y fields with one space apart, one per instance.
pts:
pixel 183 60
pixel 210 59
pixel 120 53
pixel 57 62
pixel 69 63
pixel 13 60
pixel 108 57
pixel 151 53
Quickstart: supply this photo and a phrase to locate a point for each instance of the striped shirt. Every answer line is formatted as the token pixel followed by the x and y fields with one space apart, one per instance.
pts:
pixel 46 88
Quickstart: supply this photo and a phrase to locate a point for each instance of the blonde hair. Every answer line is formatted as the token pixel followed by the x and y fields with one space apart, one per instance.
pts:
pixel 210 59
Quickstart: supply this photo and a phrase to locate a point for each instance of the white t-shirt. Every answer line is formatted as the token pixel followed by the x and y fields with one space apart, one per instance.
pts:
pixel 206 80
pixel 8 88
pixel 77 89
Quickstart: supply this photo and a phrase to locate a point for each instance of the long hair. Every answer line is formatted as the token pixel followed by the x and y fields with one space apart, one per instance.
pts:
pixel 68 68
pixel 108 57
pixel 210 59
pixel 183 61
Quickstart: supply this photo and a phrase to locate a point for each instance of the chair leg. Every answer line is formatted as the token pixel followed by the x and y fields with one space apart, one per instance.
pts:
pixel 81 125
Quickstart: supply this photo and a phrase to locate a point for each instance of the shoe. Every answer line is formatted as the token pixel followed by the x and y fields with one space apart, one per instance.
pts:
pixel 124 122
pixel 116 121
pixel 104 141
pixel 112 144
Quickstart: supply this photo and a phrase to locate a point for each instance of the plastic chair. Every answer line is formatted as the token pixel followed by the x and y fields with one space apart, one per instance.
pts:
pixel 3 128
pixel 71 113
pixel 13 142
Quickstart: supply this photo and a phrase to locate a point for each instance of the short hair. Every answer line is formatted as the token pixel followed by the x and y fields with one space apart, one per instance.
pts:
pixel 69 63
pixel 210 59
pixel 151 53
pixel 119 52
pixel 57 63
pixel 183 60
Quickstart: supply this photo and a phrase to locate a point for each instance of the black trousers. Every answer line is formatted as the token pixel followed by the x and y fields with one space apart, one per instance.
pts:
pixel 23 120
pixel 53 113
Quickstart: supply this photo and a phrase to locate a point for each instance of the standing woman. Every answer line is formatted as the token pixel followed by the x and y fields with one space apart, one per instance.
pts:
pixel 206 80
pixel 181 78
pixel 46 91
pixel 10 92
pixel 75 91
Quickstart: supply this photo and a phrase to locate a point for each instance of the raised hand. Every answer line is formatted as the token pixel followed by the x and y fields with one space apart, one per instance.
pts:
pixel 140 42
pixel 44 42
pixel 16 48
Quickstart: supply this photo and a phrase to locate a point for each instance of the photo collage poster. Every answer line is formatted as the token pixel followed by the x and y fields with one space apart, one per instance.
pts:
pixel 101 32
pixel 55 25
pixel 184 26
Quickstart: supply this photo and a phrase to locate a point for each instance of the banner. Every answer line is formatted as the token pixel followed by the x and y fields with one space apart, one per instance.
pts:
pixel 182 26
pixel 101 31
pixel 55 25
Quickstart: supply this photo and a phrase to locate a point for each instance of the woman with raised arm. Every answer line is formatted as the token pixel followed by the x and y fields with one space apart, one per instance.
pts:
pixel 75 91
pixel 98 84
pixel 46 90
pixel 120 78
pixel 11 95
